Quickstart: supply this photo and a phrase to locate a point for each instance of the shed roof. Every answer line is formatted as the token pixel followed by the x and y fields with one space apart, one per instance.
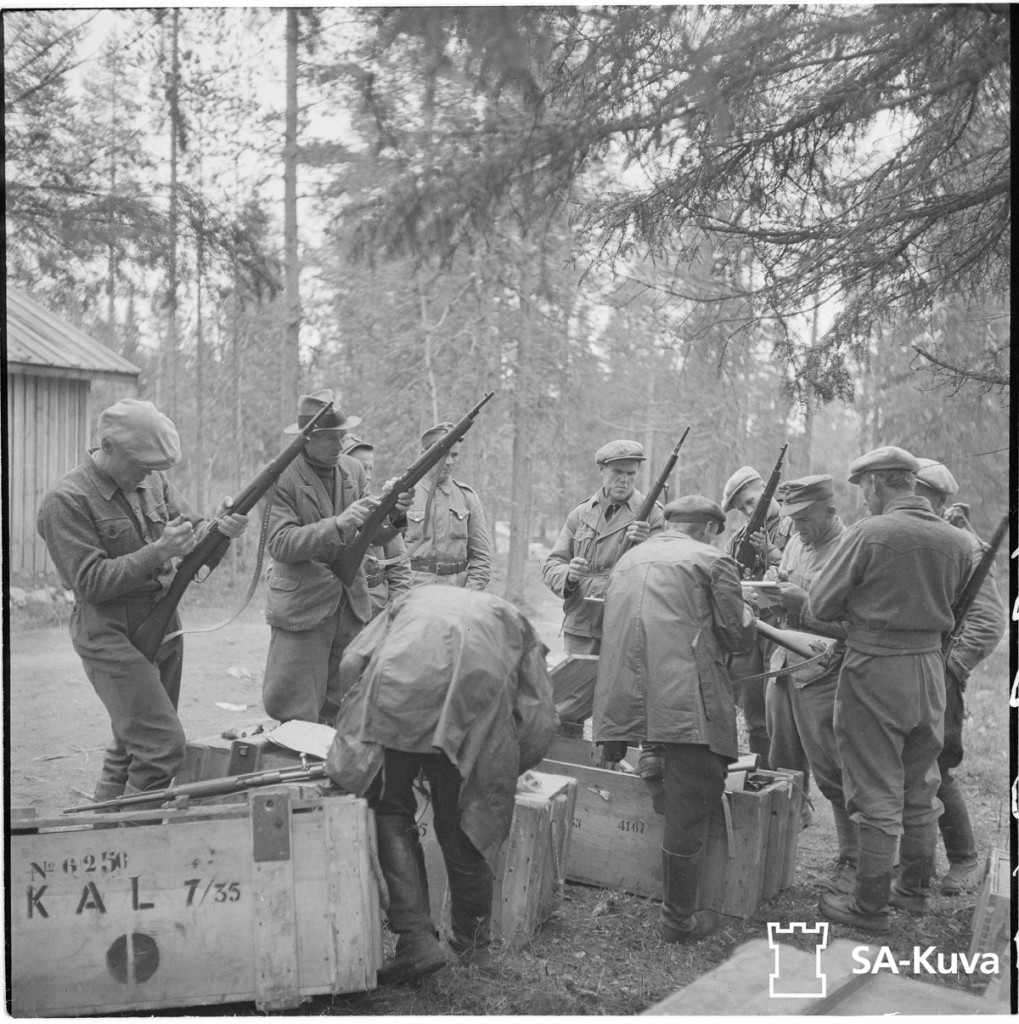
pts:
pixel 39 341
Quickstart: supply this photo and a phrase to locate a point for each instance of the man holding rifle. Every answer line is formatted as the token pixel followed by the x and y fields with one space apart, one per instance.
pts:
pixel 112 527
pixel 892 581
pixel 321 499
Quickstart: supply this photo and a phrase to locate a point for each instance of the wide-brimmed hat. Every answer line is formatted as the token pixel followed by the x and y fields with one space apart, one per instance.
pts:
pixel 308 405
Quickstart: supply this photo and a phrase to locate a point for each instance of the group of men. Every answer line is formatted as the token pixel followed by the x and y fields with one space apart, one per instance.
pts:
pixel 673 621
pixel 422 672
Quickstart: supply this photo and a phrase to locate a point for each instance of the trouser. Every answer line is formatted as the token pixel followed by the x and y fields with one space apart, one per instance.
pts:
pixel 956 829
pixel 785 745
pixel 140 697
pixel 470 877
pixel 889 727
pixel 302 671
pixel 750 697
pixel 577 705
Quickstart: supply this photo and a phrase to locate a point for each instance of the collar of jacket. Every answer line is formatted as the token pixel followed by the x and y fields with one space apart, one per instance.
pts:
pixel 104 483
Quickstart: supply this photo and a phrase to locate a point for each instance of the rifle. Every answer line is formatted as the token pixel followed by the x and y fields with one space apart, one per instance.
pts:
pixel 964 602
pixel 210 787
pixel 346 563
pixel 148 637
pixel 746 554
pixel 806 645
pixel 645 510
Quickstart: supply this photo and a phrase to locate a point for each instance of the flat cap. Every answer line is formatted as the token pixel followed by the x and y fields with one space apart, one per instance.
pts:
pixel 886 457
pixel 351 443
pixel 798 494
pixel 616 451
pixel 308 405
pixel 743 476
pixel 432 434
pixel 694 508
pixel 141 432
pixel 936 476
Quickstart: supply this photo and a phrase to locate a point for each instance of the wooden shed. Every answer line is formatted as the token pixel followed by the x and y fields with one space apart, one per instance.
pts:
pixel 50 366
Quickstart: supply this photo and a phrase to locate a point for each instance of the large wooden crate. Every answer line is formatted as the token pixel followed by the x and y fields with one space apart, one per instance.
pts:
pixel 271 900
pixel 617 834
pixel 530 867
pixel 993 910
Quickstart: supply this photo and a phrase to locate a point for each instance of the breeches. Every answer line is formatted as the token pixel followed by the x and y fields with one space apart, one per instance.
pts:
pixel 889 726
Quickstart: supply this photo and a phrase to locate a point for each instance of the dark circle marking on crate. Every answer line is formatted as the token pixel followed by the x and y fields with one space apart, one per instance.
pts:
pixel 133 958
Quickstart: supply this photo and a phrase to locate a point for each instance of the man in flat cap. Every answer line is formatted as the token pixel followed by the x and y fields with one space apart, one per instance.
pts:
pixel 112 527
pixel 386 566
pixel 447 537
pixel 673 607
pixel 982 630
pixel 741 492
pixel 892 582
pixel 801 701
pixel 321 500
pixel 588 546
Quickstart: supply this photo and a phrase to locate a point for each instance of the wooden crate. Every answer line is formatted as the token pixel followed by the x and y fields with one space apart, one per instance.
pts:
pixel 617 834
pixel 271 900
pixel 529 869
pixel 216 757
pixel 993 910
pixel 573 681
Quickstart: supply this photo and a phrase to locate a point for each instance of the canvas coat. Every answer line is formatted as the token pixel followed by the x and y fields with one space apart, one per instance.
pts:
pixel 461 672
pixel 673 608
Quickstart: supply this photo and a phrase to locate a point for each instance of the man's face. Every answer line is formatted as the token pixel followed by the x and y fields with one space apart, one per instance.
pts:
pixel 811 522
pixel 746 500
pixel 618 478
pixel 125 471
pixel 324 447
pixel 367 459
pixel 447 465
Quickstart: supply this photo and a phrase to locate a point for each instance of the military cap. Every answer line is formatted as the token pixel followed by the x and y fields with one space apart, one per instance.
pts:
pixel 432 434
pixel 352 444
pixel 141 432
pixel 617 451
pixel 308 405
pixel 798 494
pixel 694 508
pixel 886 457
pixel 936 476
pixel 741 478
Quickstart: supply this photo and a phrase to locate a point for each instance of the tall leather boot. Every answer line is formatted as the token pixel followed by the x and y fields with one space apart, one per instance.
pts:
pixel 403 866
pixel 681 921
pixel 843 878
pixel 867 907
pixel 470 898
pixel 916 865
pixel 965 872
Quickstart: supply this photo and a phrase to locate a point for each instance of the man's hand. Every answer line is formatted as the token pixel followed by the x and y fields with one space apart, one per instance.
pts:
pixel 760 543
pixel 178 539
pixel 793 598
pixel 354 515
pixel 576 569
pixel 638 532
pixel 230 524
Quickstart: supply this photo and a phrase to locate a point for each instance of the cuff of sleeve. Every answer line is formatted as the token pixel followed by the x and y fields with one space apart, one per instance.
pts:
pixel 149 560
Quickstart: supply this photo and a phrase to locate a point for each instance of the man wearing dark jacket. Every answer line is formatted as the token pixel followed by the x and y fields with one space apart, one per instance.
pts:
pixel 673 608
pixel 452 682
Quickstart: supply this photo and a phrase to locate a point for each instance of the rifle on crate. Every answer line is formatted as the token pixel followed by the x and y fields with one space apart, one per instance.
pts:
pixel 346 563
pixel 746 554
pixel 208 552
pixel 209 787
pixel 645 510
pixel 964 602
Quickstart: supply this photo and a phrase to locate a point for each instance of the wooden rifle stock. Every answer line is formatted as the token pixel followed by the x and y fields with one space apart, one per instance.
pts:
pixel 347 562
pixel 645 510
pixel 806 645
pixel 963 603
pixel 746 554
pixel 148 637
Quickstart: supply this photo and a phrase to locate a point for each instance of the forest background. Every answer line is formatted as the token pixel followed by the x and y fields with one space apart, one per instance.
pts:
pixel 772 223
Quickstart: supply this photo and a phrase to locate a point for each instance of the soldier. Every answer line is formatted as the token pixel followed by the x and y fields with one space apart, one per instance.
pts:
pixel 320 501
pixel 452 685
pixel 673 606
pixel 741 492
pixel 447 538
pixel 386 566
pixel 892 581
pixel 112 527
pixel 982 630
pixel 584 553
pixel 801 701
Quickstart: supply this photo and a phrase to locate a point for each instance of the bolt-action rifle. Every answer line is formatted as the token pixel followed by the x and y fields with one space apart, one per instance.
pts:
pixel 645 510
pixel 346 563
pixel 964 602
pixel 806 645
pixel 148 637
pixel 746 555
pixel 209 787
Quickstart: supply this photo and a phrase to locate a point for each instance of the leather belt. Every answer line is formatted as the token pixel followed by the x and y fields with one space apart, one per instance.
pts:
pixel 437 568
